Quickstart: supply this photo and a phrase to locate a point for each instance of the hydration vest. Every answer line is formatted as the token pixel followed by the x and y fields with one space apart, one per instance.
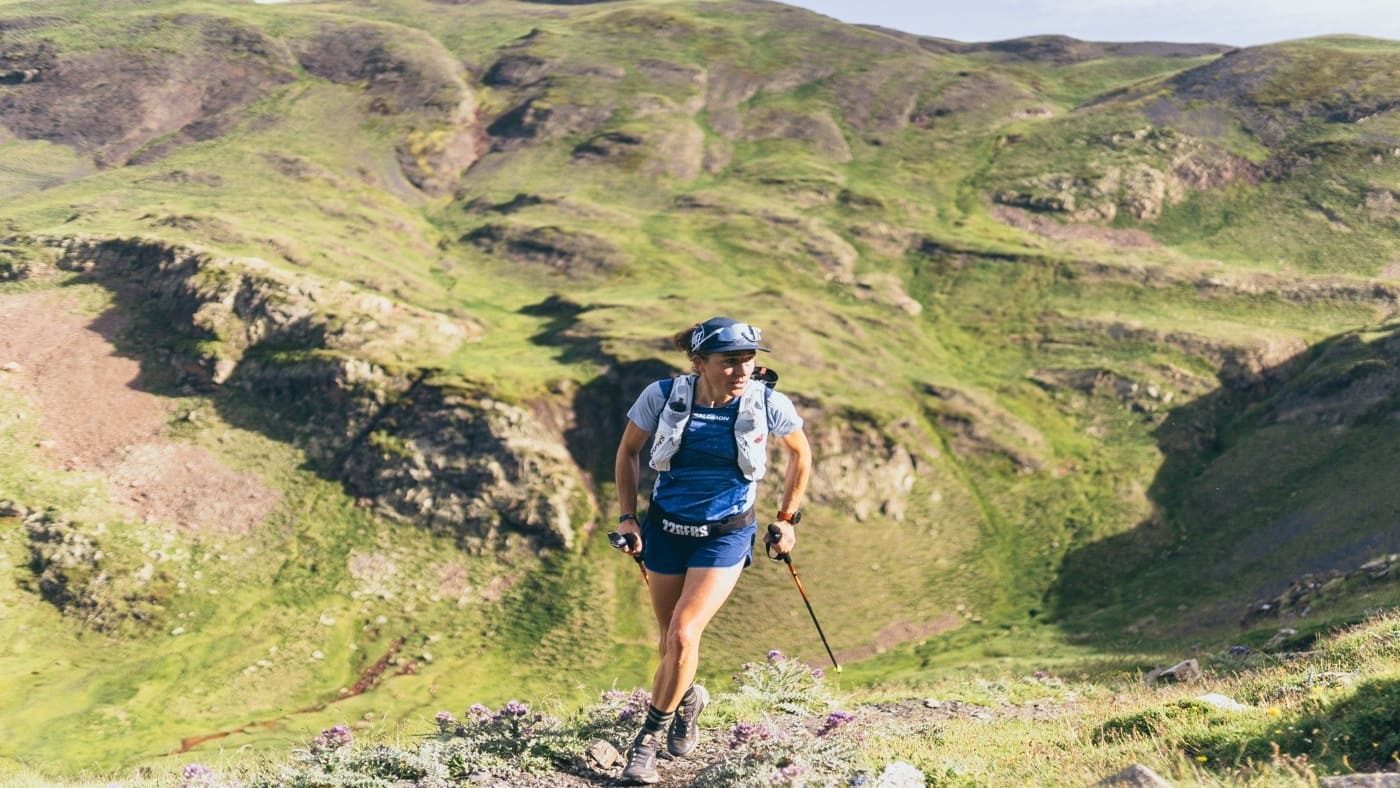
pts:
pixel 750 426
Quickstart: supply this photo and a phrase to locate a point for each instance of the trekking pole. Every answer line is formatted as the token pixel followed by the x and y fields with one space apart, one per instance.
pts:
pixel 774 534
pixel 624 540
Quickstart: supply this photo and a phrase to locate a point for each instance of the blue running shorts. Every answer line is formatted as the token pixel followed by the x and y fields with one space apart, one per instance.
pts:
pixel 668 554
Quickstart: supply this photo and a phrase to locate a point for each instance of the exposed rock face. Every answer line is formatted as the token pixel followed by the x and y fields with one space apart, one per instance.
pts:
pixel 1312 589
pixel 244 303
pixel 72 573
pixel 462 463
pixel 572 253
pixel 517 70
pixel 539 120
pixel 1349 381
pixel 409 73
pixel 1141 172
pixel 453 460
pixel 973 425
pixel 71 99
pixel 861 465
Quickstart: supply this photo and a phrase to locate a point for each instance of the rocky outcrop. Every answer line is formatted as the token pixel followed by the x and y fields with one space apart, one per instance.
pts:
pixel 234 305
pixel 418 447
pixel 1239 364
pixel 406 72
pixel 122 107
pixel 471 466
pixel 540 120
pixel 72 572
pixel 1140 172
pixel 972 425
pixel 1350 380
pixel 1311 589
pixel 863 466
pixel 555 249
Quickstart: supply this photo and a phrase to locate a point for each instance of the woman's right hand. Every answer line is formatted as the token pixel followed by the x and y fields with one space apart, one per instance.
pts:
pixel 632 532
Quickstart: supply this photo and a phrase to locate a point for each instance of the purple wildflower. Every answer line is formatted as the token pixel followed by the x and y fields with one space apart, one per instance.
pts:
pixel 818 673
pixel 834 721
pixel 775 655
pixel 331 739
pixel 786 775
pixel 443 717
pixel 515 709
pixel 478 713
pixel 614 695
pixel 197 775
pixel 1040 674
pixel 746 732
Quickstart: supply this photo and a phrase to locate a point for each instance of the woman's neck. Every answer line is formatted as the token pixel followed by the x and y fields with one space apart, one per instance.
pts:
pixel 706 398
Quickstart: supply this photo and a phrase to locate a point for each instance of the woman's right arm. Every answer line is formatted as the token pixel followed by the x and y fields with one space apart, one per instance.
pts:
pixel 627 473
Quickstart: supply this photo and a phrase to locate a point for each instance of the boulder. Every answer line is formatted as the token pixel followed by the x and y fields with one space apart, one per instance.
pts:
pixel 1135 776
pixel 1185 671
pixel 900 774
pixel 1373 780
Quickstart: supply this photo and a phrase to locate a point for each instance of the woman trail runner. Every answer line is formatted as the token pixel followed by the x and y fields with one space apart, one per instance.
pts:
pixel 712 431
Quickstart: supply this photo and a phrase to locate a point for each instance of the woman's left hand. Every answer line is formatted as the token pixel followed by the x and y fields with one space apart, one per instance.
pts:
pixel 786 540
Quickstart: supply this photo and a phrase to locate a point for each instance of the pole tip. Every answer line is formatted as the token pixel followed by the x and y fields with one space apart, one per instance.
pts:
pixel 838 668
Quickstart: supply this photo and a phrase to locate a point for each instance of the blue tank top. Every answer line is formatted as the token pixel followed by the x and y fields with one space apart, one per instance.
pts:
pixel 705 483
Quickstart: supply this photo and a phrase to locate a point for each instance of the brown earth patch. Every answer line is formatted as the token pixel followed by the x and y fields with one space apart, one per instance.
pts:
pixel 901 632
pixel 1061 231
pixel 94 416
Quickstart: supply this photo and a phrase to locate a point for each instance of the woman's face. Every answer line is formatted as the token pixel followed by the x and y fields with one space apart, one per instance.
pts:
pixel 726 374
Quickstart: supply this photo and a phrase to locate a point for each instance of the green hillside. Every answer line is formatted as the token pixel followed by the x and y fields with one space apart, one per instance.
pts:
pixel 1097 344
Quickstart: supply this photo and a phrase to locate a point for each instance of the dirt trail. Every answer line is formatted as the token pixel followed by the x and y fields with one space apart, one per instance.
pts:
pixel 95 416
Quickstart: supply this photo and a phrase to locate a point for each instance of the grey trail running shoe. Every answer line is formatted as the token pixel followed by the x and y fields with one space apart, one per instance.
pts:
pixel 641 761
pixel 685 728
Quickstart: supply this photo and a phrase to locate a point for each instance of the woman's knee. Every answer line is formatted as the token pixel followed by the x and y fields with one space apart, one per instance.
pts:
pixel 682 639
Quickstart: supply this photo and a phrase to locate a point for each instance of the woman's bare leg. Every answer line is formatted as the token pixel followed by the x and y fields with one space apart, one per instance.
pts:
pixel 684 607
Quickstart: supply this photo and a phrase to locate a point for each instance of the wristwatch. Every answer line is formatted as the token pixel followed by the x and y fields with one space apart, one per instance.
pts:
pixel 622 518
pixel 791 517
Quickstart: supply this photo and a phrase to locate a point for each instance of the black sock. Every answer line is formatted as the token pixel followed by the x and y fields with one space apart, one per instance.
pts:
pixel 657 720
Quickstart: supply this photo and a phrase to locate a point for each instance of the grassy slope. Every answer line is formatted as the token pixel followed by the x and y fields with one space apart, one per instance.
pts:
pixel 977 535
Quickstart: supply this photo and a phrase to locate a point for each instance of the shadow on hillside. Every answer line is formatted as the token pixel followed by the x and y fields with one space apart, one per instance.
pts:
pixel 600 405
pixel 1227 529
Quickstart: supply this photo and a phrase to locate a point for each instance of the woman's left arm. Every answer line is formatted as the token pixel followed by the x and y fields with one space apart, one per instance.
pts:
pixel 799 470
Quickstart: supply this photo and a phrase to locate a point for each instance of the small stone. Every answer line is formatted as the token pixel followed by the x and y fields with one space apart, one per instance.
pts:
pixel 10 366
pixel 602 754
pixel 1280 638
pixel 1184 671
pixel 1135 776
pixel 900 775
pixel 1223 702
pixel 1373 780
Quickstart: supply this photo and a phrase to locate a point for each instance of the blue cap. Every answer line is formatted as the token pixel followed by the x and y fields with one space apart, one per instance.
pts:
pixel 725 335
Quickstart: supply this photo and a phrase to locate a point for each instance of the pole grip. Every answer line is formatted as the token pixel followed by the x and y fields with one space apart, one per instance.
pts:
pixel 770 539
pixel 621 540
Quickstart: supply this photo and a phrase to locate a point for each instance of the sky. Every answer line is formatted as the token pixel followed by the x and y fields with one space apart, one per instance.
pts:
pixel 1234 22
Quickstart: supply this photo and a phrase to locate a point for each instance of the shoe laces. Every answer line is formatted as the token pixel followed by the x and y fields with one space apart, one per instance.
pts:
pixel 644 748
